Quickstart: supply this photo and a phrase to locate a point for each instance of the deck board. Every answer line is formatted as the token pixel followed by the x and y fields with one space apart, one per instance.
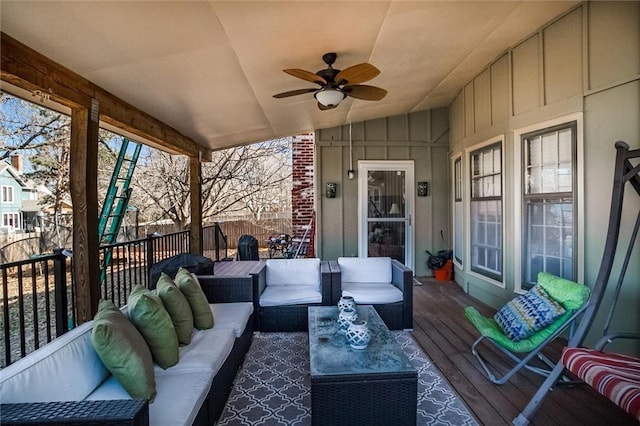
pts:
pixel 446 337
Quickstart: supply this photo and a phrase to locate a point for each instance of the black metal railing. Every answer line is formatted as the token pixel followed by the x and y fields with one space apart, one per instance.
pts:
pixel 38 295
pixel 37 303
pixel 214 243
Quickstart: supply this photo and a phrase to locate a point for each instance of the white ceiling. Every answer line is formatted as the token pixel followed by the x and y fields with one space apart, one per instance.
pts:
pixel 210 68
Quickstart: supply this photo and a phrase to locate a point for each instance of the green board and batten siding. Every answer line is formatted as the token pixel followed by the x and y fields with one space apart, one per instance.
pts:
pixel 422 137
pixel 584 64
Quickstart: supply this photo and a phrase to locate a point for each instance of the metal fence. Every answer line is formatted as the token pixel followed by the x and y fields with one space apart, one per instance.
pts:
pixel 38 295
pixel 37 304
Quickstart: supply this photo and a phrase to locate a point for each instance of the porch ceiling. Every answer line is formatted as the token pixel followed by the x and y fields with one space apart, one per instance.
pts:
pixel 209 68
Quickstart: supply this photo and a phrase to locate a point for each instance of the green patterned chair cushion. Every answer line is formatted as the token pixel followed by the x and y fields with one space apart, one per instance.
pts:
pixel 488 327
pixel 569 294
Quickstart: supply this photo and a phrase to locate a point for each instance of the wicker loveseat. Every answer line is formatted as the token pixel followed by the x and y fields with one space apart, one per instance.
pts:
pixel 65 382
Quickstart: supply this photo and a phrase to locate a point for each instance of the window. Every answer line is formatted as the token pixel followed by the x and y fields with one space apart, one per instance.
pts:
pixel 7 194
pixel 486 211
pixel 549 203
pixel 458 242
pixel 11 219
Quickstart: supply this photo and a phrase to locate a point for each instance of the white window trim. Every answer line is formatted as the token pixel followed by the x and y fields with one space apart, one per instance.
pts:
pixel 455 157
pixel 17 220
pixel 13 195
pixel 467 210
pixel 579 192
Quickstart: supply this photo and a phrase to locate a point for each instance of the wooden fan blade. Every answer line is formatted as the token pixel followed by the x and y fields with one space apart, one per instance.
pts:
pixel 357 74
pixel 324 108
pixel 306 75
pixel 364 92
pixel 294 93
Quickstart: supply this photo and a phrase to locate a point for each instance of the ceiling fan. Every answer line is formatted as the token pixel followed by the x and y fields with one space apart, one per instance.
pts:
pixel 335 85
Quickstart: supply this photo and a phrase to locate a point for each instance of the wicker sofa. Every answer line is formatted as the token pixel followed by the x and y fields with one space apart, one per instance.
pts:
pixel 65 382
pixel 382 282
pixel 285 288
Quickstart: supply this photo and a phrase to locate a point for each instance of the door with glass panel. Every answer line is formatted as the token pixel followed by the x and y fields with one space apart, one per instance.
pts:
pixel 386 210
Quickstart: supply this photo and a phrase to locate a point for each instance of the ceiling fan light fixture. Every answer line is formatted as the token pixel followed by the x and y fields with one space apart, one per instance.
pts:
pixel 330 97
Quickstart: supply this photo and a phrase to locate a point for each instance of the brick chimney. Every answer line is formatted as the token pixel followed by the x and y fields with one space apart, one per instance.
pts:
pixel 16 162
pixel 302 200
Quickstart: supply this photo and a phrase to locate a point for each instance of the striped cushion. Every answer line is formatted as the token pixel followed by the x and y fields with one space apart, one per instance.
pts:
pixel 617 377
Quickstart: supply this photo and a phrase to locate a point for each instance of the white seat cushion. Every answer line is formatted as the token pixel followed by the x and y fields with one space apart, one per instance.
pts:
pixel 365 269
pixel 289 295
pixel 66 369
pixel 178 400
pixel 293 272
pixel 232 315
pixel 372 293
pixel 207 352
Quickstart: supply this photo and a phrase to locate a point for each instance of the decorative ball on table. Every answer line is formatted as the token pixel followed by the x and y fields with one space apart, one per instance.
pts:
pixel 345 318
pixel 358 334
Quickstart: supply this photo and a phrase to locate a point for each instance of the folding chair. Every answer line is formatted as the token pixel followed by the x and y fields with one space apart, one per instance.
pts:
pixel 570 295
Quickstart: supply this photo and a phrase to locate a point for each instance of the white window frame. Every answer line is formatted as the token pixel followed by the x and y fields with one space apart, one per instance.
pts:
pixel 467 210
pixel 458 188
pixel 8 194
pixel 16 220
pixel 578 192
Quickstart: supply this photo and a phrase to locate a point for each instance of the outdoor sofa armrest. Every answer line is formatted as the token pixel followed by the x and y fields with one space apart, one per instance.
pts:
pixel 227 289
pixel 259 281
pixel 336 281
pixel 609 338
pixel 402 277
pixel 326 282
pixel 134 412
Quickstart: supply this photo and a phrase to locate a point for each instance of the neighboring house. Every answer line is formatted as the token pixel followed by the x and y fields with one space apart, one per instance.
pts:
pixel 19 198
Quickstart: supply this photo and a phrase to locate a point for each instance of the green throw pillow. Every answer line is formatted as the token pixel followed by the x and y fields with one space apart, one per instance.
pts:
pixel 123 351
pixel 190 287
pixel 147 313
pixel 178 307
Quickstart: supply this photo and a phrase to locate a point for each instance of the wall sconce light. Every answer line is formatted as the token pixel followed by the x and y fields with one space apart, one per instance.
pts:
pixel 423 189
pixel 332 187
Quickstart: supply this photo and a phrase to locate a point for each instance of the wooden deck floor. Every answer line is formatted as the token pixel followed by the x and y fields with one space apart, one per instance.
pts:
pixel 446 336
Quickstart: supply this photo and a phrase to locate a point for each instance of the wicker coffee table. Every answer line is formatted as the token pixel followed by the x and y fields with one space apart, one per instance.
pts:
pixel 372 386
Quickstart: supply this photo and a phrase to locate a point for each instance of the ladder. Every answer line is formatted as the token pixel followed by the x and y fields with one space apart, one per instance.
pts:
pixel 117 198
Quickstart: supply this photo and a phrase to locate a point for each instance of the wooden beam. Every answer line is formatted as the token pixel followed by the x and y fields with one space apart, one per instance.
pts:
pixel 195 182
pixel 25 68
pixel 84 196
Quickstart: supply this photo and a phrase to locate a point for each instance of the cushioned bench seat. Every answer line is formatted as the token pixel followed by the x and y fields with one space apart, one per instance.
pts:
pixel 170 407
pixel 190 392
pixel 615 376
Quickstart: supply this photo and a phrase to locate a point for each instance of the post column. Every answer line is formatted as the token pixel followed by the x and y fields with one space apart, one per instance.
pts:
pixel 84 196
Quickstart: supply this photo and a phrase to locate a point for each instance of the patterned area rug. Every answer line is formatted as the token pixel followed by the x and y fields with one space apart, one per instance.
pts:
pixel 273 386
